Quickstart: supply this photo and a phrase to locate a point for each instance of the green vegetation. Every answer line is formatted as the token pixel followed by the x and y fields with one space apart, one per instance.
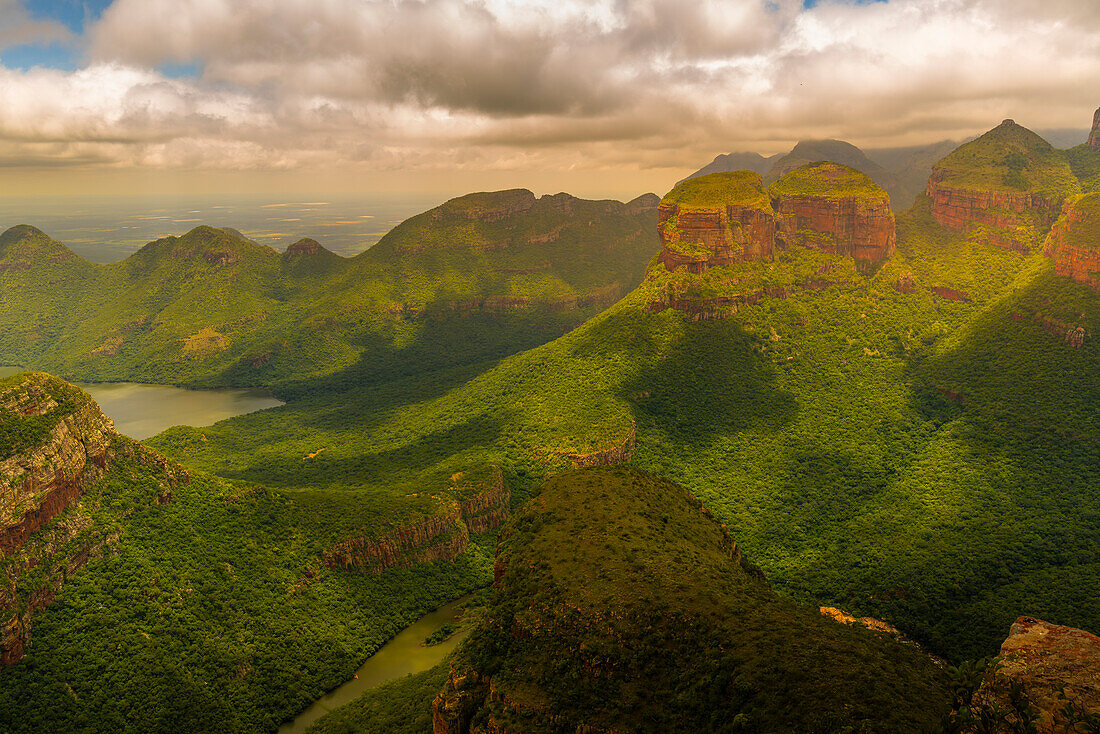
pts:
pixel 212 308
pixel 19 431
pixel 624 605
pixel 1009 158
pixel 1083 233
pixel 444 633
pixel 1085 164
pixel 744 188
pixel 828 180
pixel 403 706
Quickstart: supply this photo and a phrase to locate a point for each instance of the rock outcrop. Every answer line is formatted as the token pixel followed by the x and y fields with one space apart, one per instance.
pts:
pixel 482 505
pixel 1010 182
pixel 831 207
pixel 55 445
pixel 1094 135
pixel 304 246
pixel 1074 241
pixel 1055 668
pixel 716 220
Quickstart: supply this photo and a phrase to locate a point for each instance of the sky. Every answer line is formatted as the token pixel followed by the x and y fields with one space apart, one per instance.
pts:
pixel 596 97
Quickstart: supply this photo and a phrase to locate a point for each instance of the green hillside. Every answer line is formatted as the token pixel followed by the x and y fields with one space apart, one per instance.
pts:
pixel 1009 158
pixel 820 427
pixel 213 308
pixel 621 604
pixel 188 604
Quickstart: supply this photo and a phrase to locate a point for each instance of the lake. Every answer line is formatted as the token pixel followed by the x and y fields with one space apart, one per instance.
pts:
pixel 140 411
pixel 401 656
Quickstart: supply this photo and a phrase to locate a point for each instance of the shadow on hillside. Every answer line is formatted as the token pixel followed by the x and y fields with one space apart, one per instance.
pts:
pixel 387 467
pixel 715 381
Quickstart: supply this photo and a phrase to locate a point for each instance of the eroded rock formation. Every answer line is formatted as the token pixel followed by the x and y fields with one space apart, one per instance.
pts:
pixel 1074 241
pixel 1094 136
pixel 1009 181
pixel 75 447
pixel 831 207
pixel 304 246
pixel 440 537
pixel 1052 666
pixel 716 220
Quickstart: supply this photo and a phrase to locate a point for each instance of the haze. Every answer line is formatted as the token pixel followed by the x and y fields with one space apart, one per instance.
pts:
pixel 606 98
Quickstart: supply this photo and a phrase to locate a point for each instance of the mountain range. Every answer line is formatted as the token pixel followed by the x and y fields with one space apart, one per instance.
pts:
pixel 862 447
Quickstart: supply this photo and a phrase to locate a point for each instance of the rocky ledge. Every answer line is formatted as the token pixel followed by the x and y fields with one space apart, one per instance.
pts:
pixel 1055 668
pixel 479 505
pixel 831 207
pixel 713 220
pixel 1094 136
pixel 1074 241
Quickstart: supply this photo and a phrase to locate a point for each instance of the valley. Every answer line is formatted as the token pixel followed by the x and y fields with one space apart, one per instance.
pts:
pixel 604 409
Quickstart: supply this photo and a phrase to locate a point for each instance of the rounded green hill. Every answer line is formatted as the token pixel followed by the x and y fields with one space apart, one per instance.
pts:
pixel 827 180
pixel 1008 158
pixel 744 188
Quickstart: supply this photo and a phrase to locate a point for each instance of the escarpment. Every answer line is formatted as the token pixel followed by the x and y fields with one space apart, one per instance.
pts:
pixel 616 592
pixel 481 505
pixel 1094 134
pixel 1056 669
pixel 1009 182
pixel 55 445
pixel 1074 241
pixel 831 207
pixel 714 220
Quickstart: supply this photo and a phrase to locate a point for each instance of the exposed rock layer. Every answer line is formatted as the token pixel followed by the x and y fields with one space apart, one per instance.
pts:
pixel 1074 241
pixel 1094 136
pixel 1053 665
pixel 443 536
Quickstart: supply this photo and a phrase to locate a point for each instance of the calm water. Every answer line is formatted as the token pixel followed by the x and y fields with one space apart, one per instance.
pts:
pixel 140 411
pixel 107 229
pixel 402 655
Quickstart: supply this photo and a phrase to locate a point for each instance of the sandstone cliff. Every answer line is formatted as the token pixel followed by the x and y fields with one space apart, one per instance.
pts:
pixel 55 444
pixel 831 207
pixel 478 505
pixel 1094 136
pixel 714 220
pixel 1010 182
pixel 1057 671
pixel 1074 241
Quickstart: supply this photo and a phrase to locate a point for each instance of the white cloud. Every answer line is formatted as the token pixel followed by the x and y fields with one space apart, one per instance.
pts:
pixel 500 84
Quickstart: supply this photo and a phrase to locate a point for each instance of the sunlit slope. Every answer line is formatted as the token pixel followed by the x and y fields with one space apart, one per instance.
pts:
pixel 211 307
pixel 811 421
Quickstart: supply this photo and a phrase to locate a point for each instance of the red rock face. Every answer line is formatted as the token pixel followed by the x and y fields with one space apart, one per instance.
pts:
pixel 1053 664
pixel 859 227
pixel 729 234
pixel 1094 136
pixel 440 537
pixel 958 208
pixel 1073 261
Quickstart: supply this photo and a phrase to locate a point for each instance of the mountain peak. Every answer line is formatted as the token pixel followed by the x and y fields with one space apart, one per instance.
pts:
pixel 23 247
pixel 1094 136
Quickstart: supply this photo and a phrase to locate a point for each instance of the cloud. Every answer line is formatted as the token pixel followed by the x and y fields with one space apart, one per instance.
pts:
pixel 18 28
pixel 503 84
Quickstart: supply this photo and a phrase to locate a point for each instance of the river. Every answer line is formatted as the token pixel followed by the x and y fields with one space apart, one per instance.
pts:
pixel 402 655
pixel 140 411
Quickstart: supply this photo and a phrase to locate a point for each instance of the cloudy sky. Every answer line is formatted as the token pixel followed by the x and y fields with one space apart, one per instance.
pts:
pixel 611 97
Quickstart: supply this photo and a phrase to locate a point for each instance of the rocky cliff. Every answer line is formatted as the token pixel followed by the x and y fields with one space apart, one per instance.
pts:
pixel 621 605
pixel 1074 240
pixel 55 445
pixel 476 505
pixel 715 220
pixel 1010 182
pixel 1094 136
pixel 1051 672
pixel 831 207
